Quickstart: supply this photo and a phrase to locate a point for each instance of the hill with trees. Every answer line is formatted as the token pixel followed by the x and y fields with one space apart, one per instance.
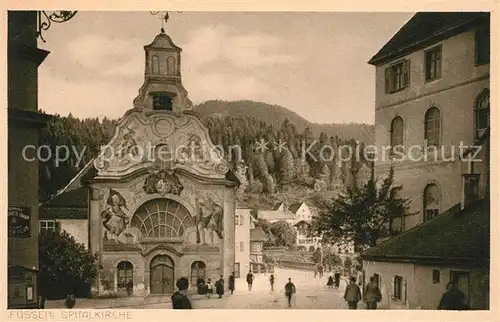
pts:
pixel 272 173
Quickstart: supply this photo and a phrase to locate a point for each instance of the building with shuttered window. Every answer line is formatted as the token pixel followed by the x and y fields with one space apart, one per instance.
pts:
pixel 432 95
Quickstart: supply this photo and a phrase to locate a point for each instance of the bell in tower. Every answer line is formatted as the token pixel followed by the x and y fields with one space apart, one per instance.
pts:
pixel 162 88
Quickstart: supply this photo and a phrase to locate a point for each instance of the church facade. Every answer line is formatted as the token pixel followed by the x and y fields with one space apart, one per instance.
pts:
pixel 162 201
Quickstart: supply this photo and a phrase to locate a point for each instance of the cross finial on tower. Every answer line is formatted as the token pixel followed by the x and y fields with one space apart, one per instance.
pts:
pixel 163 17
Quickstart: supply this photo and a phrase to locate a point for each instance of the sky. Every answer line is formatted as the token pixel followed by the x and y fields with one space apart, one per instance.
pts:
pixel 314 64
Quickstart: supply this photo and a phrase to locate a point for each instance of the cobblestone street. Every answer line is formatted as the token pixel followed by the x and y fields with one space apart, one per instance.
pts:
pixel 311 294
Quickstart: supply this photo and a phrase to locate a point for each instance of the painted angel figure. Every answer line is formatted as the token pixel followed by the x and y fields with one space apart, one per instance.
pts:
pixel 114 219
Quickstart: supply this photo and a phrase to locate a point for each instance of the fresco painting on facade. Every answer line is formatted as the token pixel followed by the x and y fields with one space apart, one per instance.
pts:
pixel 114 218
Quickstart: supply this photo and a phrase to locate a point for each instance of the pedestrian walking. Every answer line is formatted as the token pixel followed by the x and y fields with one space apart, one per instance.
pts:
pixel 320 271
pixel 179 298
pixel 231 283
pixel 250 279
pixel 372 294
pixel 337 280
pixel 219 287
pixel 289 291
pixel 209 288
pixel 200 286
pixel 352 294
pixel 330 282
pixel 271 281
pixel 453 298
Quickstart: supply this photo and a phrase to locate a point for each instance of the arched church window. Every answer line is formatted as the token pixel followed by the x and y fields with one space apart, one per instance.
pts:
pixel 482 111
pixel 397 132
pixel 197 270
pixel 162 218
pixel 155 65
pixel 432 126
pixel 171 66
pixel 124 275
pixel 431 202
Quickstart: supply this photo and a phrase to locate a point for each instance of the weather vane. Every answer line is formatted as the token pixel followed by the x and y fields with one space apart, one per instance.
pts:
pixel 163 17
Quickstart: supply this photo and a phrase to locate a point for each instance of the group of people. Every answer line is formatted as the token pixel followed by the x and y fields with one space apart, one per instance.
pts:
pixel 334 281
pixel 371 295
pixel 452 299
pixel 180 299
pixel 207 287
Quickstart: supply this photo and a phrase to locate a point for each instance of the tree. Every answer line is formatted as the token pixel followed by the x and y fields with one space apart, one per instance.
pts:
pixel 347 263
pixel 287 168
pixel 363 214
pixel 66 267
pixel 284 233
pixel 316 256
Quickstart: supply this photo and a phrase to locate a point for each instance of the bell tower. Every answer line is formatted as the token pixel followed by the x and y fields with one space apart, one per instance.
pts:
pixel 162 89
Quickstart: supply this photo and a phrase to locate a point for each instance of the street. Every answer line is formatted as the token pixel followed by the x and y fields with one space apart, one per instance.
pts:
pixel 311 294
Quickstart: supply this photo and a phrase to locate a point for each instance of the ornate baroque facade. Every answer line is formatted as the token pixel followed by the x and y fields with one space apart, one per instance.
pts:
pixel 163 200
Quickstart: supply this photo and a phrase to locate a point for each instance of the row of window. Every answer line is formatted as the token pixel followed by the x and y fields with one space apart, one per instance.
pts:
pixel 156 69
pixel 432 122
pixel 397 76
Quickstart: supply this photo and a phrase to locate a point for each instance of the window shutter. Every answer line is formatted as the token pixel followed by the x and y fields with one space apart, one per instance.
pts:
pixel 388 80
pixel 392 288
pixel 406 73
pixel 57 226
pixel 404 292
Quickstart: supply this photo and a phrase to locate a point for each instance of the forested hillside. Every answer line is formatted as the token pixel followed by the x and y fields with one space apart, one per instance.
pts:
pixel 273 171
pixel 275 115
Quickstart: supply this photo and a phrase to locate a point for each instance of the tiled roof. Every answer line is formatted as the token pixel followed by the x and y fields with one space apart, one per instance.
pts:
pixel 423 29
pixel 276 206
pixel 77 198
pixel 294 207
pixel 455 237
pixel 257 234
pixel 63 213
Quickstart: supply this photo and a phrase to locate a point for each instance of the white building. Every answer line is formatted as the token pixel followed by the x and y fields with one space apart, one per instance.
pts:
pixel 243 224
pixel 432 85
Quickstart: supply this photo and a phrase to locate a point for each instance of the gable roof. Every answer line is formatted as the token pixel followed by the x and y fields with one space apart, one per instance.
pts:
pixel 257 234
pixel 294 207
pixel 452 237
pixel 277 206
pixel 423 29
pixel 302 222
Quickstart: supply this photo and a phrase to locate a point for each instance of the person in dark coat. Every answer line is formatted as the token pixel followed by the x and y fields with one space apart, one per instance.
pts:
pixel 289 291
pixel 219 287
pixel 250 278
pixel 337 280
pixel 372 294
pixel 231 283
pixel 453 299
pixel 271 281
pixel 330 282
pixel 200 286
pixel 179 298
pixel 352 294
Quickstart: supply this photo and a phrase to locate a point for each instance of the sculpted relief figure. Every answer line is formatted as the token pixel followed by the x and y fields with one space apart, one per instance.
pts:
pixel 128 148
pixel 209 221
pixel 163 182
pixel 114 219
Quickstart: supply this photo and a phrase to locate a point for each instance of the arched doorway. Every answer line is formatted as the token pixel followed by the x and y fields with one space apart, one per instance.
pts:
pixel 161 275
pixel 197 270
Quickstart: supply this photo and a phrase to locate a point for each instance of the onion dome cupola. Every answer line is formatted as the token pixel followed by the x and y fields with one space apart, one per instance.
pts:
pixel 162 88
